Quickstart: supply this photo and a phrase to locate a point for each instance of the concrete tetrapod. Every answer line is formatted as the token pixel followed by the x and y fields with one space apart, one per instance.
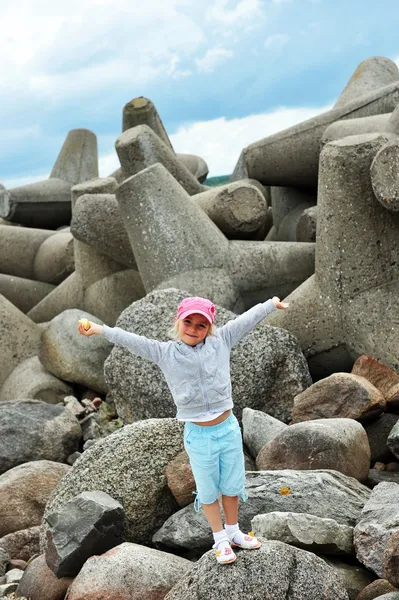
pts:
pixel 174 242
pixel 349 307
pixel 141 111
pixel 139 148
pixel 47 204
pixel 19 338
pixel 291 157
pixel 177 245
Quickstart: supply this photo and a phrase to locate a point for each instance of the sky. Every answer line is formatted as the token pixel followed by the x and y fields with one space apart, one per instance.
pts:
pixel 221 73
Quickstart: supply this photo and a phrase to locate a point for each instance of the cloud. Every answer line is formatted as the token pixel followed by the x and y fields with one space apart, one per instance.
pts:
pixel 243 12
pixel 276 41
pixel 213 58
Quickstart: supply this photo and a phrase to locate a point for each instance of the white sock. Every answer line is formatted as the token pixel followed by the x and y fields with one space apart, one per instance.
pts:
pixel 220 539
pixel 234 530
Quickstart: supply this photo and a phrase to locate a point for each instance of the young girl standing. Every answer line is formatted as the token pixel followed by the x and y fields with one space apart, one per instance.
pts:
pixel 197 370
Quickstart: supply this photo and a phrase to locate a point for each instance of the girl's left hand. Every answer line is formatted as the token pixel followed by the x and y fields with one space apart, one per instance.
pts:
pixel 278 304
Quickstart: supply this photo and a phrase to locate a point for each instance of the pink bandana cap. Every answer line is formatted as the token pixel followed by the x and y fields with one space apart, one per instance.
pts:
pixel 197 305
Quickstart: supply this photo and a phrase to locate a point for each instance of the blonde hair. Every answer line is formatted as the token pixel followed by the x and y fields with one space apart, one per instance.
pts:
pixel 173 331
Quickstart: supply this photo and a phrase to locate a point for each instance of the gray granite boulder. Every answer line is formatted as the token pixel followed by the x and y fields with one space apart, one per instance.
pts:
pixel 267 367
pixel 275 570
pixel 378 520
pixel 378 432
pixel 24 491
pixel 72 357
pixel 321 536
pixel 355 577
pixel 339 444
pixel 91 523
pixel 325 494
pixel 128 572
pixel 34 430
pixel 129 466
pixel 259 428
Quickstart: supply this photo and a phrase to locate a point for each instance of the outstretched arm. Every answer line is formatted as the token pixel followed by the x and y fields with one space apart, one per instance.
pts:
pixel 139 344
pixel 237 328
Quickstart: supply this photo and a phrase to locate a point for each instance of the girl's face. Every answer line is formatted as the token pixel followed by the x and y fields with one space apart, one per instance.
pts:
pixel 193 329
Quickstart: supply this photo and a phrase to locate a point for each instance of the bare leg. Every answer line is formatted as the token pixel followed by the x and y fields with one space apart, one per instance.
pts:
pixel 212 513
pixel 230 507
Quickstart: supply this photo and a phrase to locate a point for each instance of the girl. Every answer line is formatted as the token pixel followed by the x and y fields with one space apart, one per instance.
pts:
pixel 197 369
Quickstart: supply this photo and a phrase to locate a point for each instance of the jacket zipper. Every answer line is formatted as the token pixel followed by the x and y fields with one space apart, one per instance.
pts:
pixel 205 395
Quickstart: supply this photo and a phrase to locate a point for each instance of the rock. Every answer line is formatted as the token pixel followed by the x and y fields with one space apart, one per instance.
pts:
pixel 24 491
pixel 355 577
pixel 21 544
pixel 39 582
pixel 4 560
pixel 376 523
pixel 259 428
pixel 325 494
pixel 7 588
pixel 14 575
pixel 143 449
pixel 339 444
pixel 90 523
pixel 71 356
pixel 275 570
pixel 382 377
pixel 391 560
pixel 375 589
pixel 321 536
pixel 341 395
pixel 141 111
pixel 267 370
pixel 393 440
pixel 376 476
pixel 306 227
pixel 119 574
pixel 23 293
pixel 377 433
pixel 195 164
pixel 31 380
pixel 180 479
pixel 16 563
pixel 33 430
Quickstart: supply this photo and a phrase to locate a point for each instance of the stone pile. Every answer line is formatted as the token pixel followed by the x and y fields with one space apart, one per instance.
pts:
pixel 94 479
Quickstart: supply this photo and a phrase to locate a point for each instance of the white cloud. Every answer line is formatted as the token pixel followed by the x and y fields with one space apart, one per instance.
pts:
pixel 276 41
pixel 213 58
pixel 243 11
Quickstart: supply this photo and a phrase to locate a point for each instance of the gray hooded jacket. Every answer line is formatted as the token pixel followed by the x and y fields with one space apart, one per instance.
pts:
pixel 198 376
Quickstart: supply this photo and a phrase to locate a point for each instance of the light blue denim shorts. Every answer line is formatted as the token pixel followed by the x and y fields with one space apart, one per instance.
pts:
pixel 216 459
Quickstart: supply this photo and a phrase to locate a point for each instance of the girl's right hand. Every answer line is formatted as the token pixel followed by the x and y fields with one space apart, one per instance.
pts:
pixel 94 328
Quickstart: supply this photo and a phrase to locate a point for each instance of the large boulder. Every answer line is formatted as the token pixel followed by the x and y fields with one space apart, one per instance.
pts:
pixel 129 466
pixel 325 494
pixel 34 430
pixel 22 544
pixel 267 367
pixel 24 491
pixel 275 570
pixel 378 520
pixel 259 428
pixel 322 536
pixel 339 444
pixel 128 572
pixel 72 357
pixel 340 395
pixel 39 582
pixel 88 524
